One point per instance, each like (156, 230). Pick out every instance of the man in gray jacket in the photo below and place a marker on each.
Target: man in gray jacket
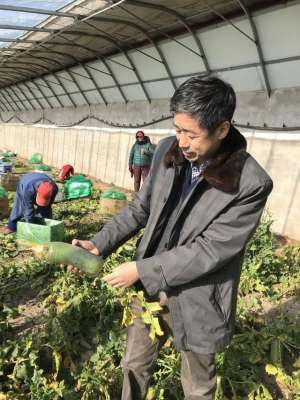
(199, 205)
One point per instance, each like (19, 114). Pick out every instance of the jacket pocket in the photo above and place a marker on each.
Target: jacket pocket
(218, 305)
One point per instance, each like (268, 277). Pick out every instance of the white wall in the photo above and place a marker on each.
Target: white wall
(103, 153)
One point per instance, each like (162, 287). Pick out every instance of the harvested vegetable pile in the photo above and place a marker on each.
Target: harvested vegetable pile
(62, 337)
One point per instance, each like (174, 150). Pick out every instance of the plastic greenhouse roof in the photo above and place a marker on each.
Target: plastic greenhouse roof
(62, 53)
(24, 18)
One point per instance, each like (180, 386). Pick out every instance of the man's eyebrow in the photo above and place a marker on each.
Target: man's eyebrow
(185, 130)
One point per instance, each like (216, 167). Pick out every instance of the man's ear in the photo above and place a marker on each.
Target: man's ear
(223, 130)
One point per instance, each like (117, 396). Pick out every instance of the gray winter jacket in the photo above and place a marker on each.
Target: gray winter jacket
(200, 267)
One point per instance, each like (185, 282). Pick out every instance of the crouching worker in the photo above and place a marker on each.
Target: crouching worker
(65, 173)
(34, 196)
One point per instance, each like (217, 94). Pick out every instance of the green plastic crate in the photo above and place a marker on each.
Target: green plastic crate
(77, 186)
(47, 230)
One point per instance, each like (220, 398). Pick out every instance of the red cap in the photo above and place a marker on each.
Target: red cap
(66, 171)
(44, 193)
(139, 134)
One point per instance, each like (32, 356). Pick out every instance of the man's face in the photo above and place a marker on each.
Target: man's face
(140, 138)
(195, 142)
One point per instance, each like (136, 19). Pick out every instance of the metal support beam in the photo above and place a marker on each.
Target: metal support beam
(12, 64)
(182, 20)
(214, 11)
(258, 45)
(2, 104)
(39, 11)
(98, 89)
(65, 28)
(48, 50)
(45, 30)
(184, 76)
(42, 93)
(90, 77)
(47, 60)
(25, 95)
(26, 75)
(52, 91)
(152, 42)
(69, 72)
(110, 39)
(14, 105)
(64, 89)
(72, 57)
(6, 102)
(32, 94)
(103, 60)
(30, 41)
(18, 97)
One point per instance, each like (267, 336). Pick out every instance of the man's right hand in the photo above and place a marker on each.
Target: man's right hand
(87, 245)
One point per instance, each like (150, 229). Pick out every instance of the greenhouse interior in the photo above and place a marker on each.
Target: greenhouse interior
(149, 200)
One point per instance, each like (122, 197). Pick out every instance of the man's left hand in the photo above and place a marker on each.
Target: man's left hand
(123, 276)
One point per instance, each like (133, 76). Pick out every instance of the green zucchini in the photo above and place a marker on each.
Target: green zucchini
(64, 253)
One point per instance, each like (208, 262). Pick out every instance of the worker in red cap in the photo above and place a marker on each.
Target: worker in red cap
(34, 196)
(65, 173)
(140, 158)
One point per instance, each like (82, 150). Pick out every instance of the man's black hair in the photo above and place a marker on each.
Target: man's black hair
(209, 100)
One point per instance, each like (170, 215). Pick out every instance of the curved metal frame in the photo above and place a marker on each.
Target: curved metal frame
(45, 30)
(11, 100)
(32, 94)
(42, 93)
(3, 105)
(110, 39)
(90, 77)
(31, 10)
(182, 20)
(52, 91)
(81, 19)
(73, 80)
(25, 95)
(18, 69)
(257, 44)
(18, 97)
(102, 59)
(152, 42)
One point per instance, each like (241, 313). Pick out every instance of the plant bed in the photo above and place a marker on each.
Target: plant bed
(64, 340)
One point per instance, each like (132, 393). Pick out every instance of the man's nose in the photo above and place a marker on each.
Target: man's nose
(183, 141)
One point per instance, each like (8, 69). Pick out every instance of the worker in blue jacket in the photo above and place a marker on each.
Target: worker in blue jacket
(34, 196)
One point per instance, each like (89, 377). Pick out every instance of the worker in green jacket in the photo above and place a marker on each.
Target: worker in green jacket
(140, 158)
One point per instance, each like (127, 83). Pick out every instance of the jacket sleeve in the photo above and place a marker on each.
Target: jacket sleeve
(223, 239)
(127, 222)
(131, 155)
(28, 205)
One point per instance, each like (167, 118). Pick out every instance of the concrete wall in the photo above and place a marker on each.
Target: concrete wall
(103, 153)
(255, 108)
(97, 152)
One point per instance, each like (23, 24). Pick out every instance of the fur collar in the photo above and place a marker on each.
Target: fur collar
(225, 169)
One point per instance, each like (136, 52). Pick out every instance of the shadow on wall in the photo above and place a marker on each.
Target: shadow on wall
(292, 204)
(281, 160)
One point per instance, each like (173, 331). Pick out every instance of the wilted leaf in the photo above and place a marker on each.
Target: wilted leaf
(271, 369)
